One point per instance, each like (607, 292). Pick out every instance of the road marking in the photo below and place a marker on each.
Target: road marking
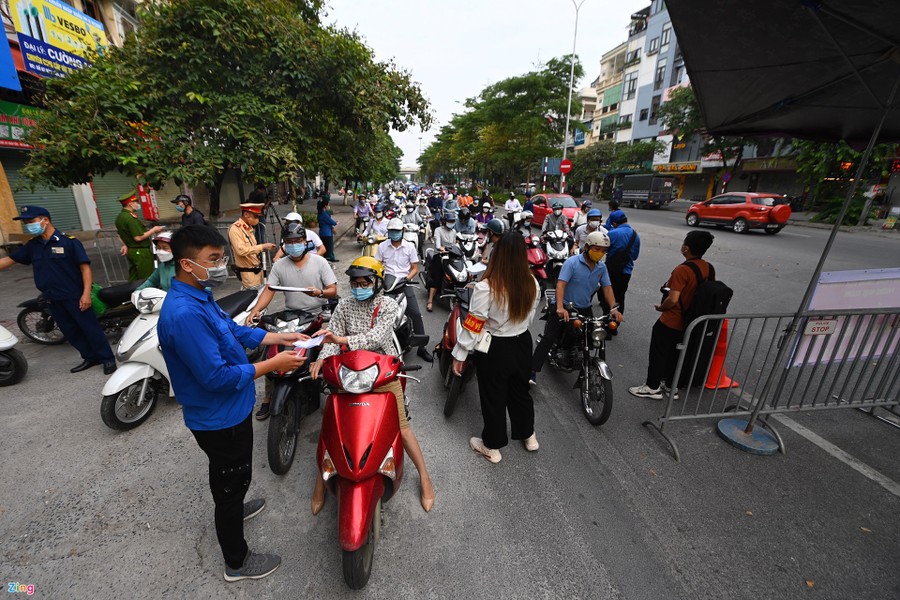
(792, 233)
(855, 464)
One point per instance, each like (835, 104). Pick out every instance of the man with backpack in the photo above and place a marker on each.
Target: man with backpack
(624, 249)
(668, 330)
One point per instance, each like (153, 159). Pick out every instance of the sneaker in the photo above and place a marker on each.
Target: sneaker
(532, 380)
(478, 446)
(256, 566)
(665, 391)
(253, 508)
(643, 391)
(263, 413)
(531, 444)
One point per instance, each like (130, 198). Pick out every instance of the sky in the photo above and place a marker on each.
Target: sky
(454, 48)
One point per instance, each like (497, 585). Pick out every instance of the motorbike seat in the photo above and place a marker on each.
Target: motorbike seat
(118, 294)
(237, 302)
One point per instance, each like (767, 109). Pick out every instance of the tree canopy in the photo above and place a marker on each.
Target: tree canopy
(508, 127)
(205, 85)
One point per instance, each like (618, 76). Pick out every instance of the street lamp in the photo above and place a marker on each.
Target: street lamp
(562, 179)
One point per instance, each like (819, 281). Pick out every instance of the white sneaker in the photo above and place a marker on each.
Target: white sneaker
(643, 391)
(531, 444)
(666, 390)
(492, 454)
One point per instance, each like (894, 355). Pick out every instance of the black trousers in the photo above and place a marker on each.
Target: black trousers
(82, 330)
(435, 272)
(230, 453)
(503, 387)
(663, 354)
(619, 283)
(413, 311)
(328, 242)
(551, 333)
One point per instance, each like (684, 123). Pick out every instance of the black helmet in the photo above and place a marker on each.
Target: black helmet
(496, 226)
(293, 231)
(379, 207)
(464, 214)
(182, 198)
(557, 206)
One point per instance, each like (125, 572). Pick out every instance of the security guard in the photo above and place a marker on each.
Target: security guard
(62, 272)
(246, 251)
(135, 237)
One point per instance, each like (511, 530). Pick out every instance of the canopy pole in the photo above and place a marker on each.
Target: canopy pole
(787, 339)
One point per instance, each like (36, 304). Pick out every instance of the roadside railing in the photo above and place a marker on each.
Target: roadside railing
(729, 367)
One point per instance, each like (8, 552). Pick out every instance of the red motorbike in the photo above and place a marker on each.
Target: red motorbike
(453, 382)
(360, 454)
(537, 259)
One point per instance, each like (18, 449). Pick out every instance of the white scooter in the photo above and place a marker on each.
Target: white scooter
(13, 365)
(130, 394)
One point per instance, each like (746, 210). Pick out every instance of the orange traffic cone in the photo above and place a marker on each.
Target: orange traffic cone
(717, 379)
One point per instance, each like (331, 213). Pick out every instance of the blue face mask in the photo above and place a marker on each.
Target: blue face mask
(35, 228)
(179, 208)
(395, 236)
(295, 250)
(362, 293)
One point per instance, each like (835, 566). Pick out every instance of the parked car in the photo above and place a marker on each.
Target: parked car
(543, 206)
(641, 191)
(523, 188)
(742, 211)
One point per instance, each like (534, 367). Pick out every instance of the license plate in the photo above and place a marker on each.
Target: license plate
(771, 226)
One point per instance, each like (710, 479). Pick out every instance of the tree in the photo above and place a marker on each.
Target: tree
(206, 85)
(604, 158)
(681, 116)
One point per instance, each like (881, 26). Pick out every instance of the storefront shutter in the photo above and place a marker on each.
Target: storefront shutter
(59, 201)
(107, 190)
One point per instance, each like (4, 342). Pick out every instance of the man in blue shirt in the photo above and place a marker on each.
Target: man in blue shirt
(624, 249)
(578, 280)
(326, 229)
(214, 383)
(62, 272)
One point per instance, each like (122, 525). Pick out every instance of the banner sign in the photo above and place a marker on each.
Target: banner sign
(9, 77)
(15, 121)
(54, 38)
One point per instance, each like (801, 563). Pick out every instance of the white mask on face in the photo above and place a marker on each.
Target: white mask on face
(163, 255)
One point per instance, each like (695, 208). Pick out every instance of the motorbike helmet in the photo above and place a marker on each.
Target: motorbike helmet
(512, 195)
(395, 224)
(497, 226)
(367, 266)
(292, 217)
(557, 205)
(464, 214)
(379, 208)
(410, 205)
(597, 238)
(595, 212)
(525, 218)
(293, 231)
(162, 236)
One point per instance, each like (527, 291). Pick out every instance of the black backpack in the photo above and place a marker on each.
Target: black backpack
(615, 263)
(711, 298)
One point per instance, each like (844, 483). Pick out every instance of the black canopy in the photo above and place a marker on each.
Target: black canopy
(805, 68)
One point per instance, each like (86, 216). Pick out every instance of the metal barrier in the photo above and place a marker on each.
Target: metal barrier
(107, 245)
(741, 368)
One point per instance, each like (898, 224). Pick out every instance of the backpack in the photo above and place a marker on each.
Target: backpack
(711, 298)
(615, 263)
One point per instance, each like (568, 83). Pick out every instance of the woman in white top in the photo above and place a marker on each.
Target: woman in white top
(503, 305)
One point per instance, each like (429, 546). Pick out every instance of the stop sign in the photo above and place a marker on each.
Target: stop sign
(565, 166)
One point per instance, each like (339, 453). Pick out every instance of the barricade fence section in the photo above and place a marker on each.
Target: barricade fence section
(753, 366)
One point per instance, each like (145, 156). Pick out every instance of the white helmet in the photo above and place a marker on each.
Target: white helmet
(597, 238)
(292, 216)
(395, 224)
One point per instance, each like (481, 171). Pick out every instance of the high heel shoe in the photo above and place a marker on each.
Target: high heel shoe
(427, 502)
(316, 504)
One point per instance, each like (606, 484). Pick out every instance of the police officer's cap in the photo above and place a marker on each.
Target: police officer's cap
(32, 212)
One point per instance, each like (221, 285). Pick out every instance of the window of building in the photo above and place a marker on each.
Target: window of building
(125, 20)
(92, 10)
(630, 85)
(666, 37)
(624, 121)
(654, 46)
(677, 75)
(660, 78)
(654, 110)
(644, 113)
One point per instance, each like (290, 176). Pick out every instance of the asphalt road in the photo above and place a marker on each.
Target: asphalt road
(596, 513)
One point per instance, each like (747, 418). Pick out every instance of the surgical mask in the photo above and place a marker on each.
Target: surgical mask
(35, 228)
(450, 224)
(378, 215)
(295, 250)
(557, 212)
(395, 236)
(215, 276)
(596, 255)
(362, 293)
(163, 256)
(179, 208)
(593, 224)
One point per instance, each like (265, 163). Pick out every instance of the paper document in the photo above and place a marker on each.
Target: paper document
(282, 288)
(310, 343)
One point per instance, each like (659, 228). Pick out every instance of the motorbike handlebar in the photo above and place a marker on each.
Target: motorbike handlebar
(406, 368)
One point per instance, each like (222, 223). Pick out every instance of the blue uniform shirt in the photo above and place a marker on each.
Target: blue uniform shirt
(581, 280)
(57, 265)
(326, 224)
(618, 240)
(204, 352)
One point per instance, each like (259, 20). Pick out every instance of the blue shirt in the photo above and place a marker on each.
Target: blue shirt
(57, 265)
(618, 240)
(326, 224)
(467, 227)
(204, 352)
(581, 280)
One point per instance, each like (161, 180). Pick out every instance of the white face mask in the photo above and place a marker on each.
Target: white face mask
(163, 256)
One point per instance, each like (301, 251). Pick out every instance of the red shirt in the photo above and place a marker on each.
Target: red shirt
(682, 280)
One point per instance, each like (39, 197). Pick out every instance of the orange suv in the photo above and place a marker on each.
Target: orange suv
(742, 211)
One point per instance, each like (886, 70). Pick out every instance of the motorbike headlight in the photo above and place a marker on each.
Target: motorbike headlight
(358, 382)
(597, 336)
(388, 466)
(462, 276)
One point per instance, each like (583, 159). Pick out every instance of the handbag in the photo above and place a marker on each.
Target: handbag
(483, 342)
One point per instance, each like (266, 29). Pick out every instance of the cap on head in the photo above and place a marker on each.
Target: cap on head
(617, 216)
(293, 216)
(128, 197)
(163, 236)
(31, 212)
(252, 207)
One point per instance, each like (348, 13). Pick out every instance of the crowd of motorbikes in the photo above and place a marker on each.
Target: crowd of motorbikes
(360, 452)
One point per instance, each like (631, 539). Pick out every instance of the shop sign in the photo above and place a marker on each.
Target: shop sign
(55, 39)
(769, 164)
(16, 121)
(685, 167)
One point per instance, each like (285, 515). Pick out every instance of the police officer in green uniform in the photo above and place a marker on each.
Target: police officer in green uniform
(62, 272)
(135, 237)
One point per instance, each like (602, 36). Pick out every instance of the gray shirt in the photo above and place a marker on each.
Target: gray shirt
(444, 237)
(315, 272)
